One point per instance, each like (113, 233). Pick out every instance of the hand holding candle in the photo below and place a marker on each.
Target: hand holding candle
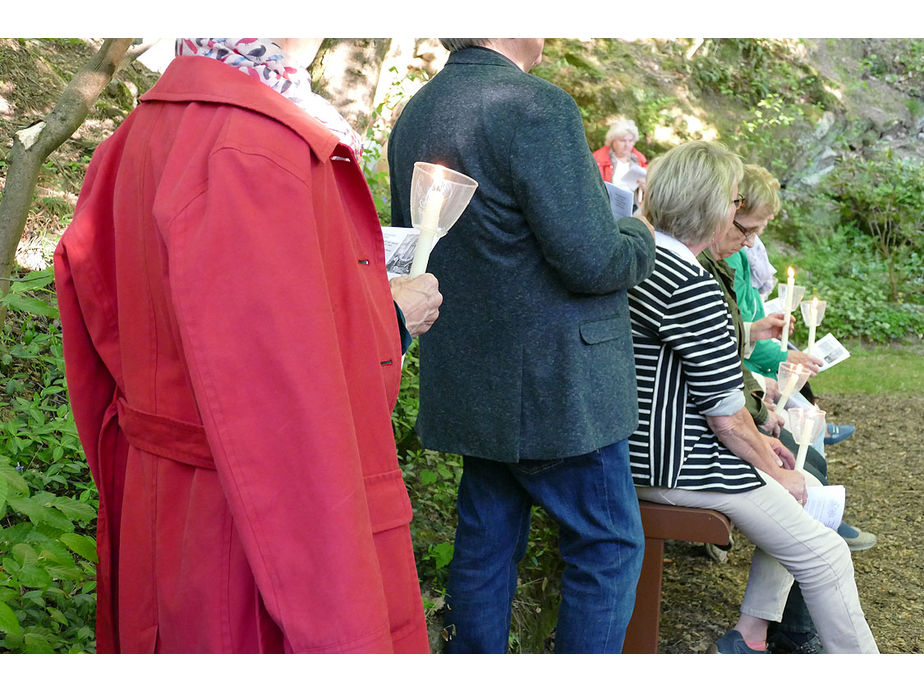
(439, 195)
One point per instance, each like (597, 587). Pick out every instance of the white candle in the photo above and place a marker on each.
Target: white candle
(787, 393)
(809, 425)
(428, 228)
(788, 388)
(787, 310)
(813, 322)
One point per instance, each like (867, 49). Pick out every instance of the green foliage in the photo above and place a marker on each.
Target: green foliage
(901, 65)
(753, 69)
(48, 502)
(882, 197)
(843, 268)
(602, 77)
(376, 136)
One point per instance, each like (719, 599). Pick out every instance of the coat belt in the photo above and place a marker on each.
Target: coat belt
(163, 436)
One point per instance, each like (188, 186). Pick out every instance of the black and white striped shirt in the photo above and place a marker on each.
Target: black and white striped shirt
(687, 366)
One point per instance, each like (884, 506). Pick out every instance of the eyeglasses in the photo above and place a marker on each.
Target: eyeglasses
(747, 233)
(738, 202)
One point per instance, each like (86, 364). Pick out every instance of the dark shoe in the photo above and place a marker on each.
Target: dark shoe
(733, 643)
(837, 433)
(781, 642)
(856, 539)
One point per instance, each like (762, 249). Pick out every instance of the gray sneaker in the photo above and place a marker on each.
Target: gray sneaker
(733, 643)
(856, 539)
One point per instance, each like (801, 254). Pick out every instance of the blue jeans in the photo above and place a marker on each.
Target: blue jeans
(592, 499)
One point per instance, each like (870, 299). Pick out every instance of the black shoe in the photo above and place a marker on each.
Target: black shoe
(781, 642)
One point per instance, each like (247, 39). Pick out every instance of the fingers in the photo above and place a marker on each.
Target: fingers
(419, 300)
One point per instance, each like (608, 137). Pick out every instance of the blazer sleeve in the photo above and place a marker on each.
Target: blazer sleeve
(255, 315)
(558, 186)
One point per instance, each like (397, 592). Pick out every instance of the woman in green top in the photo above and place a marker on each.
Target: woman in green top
(762, 204)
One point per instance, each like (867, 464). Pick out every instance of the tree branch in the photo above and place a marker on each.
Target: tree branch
(32, 146)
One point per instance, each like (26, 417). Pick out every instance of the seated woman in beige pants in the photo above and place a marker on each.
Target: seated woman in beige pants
(696, 444)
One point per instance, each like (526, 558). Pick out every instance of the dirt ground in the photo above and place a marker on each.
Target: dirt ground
(881, 467)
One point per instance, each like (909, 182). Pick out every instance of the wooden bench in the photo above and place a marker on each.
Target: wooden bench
(663, 522)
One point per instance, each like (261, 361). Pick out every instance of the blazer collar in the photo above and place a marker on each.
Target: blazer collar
(479, 55)
(194, 78)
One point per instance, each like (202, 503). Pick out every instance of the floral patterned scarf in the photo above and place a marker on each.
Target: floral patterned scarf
(263, 59)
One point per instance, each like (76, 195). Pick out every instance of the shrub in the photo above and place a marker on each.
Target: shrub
(882, 197)
(48, 502)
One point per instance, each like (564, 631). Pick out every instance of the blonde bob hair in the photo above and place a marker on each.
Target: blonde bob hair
(760, 190)
(689, 190)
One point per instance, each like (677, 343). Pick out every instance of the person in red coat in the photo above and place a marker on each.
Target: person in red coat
(233, 354)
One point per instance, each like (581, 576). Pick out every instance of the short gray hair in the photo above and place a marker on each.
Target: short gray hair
(760, 190)
(689, 189)
(621, 126)
(456, 44)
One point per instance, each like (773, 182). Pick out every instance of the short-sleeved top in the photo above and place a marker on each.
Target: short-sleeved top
(687, 365)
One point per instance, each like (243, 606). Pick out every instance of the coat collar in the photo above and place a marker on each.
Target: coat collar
(194, 78)
(479, 55)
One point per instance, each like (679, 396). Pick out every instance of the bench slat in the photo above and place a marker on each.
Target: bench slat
(684, 524)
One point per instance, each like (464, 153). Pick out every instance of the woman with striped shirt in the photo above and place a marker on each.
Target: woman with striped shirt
(696, 444)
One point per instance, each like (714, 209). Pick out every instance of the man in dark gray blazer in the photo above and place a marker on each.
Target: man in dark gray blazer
(529, 372)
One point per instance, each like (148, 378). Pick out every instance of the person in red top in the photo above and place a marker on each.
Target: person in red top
(233, 355)
(620, 163)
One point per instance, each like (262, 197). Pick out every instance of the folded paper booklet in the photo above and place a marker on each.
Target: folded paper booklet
(774, 305)
(829, 350)
(399, 250)
(620, 200)
(826, 504)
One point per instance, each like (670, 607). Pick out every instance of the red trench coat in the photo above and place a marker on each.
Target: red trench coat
(233, 356)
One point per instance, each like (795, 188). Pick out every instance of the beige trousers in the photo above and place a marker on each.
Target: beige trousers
(790, 544)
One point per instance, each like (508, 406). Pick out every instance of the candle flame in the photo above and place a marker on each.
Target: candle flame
(791, 272)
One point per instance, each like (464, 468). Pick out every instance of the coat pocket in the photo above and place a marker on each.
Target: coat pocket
(603, 330)
(386, 496)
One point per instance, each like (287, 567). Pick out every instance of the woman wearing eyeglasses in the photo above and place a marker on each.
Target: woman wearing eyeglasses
(725, 259)
(749, 332)
(761, 205)
(696, 444)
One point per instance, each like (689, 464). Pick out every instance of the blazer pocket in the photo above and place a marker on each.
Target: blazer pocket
(603, 330)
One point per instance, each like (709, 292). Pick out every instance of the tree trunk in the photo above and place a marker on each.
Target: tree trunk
(346, 73)
(32, 146)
